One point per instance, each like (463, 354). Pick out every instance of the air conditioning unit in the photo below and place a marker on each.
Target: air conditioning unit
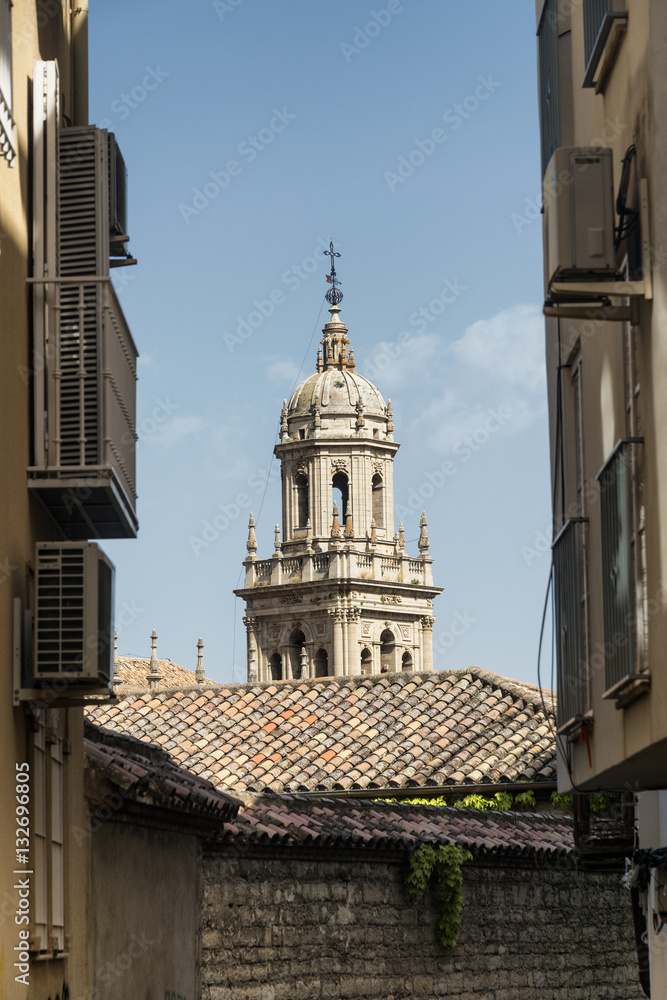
(117, 196)
(578, 193)
(73, 615)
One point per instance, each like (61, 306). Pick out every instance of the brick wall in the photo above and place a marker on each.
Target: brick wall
(284, 928)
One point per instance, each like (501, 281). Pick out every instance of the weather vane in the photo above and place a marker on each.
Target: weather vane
(334, 295)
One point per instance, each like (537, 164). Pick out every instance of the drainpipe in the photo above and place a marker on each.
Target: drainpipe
(80, 62)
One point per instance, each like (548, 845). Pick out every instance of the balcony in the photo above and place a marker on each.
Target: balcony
(83, 470)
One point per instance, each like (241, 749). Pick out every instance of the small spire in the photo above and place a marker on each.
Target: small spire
(335, 524)
(361, 420)
(349, 529)
(251, 544)
(390, 418)
(401, 536)
(309, 536)
(320, 363)
(284, 429)
(154, 676)
(374, 534)
(199, 672)
(116, 678)
(303, 662)
(350, 360)
(277, 548)
(423, 542)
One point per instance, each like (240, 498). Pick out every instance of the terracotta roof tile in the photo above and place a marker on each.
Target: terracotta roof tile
(391, 730)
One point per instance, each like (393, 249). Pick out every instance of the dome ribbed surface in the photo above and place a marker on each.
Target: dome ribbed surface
(337, 392)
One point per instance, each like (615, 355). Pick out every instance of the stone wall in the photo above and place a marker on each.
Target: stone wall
(284, 927)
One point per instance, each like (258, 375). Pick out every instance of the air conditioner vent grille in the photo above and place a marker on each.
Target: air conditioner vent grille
(60, 612)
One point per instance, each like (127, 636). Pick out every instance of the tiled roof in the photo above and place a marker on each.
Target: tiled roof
(133, 671)
(148, 775)
(292, 820)
(407, 730)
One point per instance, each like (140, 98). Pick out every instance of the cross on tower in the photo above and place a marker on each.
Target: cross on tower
(334, 295)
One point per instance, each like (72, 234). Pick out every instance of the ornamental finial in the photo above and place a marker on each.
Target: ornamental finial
(334, 295)
(199, 672)
(251, 544)
(423, 542)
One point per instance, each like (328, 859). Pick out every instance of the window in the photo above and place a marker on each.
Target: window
(406, 660)
(569, 555)
(387, 651)
(276, 667)
(547, 42)
(602, 20)
(366, 661)
(378, 500)
(296, 643)
(618, 518)
(7, 127)
(301, 483)
(48, 934)
(321, 663)
(340, 486)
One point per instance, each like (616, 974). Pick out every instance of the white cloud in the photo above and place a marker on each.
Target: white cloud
(171, 432)
(494, 375)
(392, 365)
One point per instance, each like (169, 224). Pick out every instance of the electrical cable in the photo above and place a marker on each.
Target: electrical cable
(266, 483)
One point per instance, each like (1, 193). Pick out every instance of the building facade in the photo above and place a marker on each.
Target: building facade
(67, 399)
(603, 103)
(340, 595)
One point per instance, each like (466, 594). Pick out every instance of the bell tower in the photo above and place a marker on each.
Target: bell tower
(339, 596)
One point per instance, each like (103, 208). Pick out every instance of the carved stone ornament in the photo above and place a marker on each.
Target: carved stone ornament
(274, 630)
(320, 628)
(291, 599)
(391, 599)
(428, 622)
(366, 630)
(250, 621)
(378, 467)
(405, 631)
(300, 468)
(339, 465)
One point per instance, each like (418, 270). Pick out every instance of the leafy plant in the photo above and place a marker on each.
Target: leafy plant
(501, 802)
(561, 800)
(525, 800)
(443, 864)
(598, 801)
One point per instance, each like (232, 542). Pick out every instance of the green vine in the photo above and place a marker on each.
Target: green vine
(444, 864)
(598, 801)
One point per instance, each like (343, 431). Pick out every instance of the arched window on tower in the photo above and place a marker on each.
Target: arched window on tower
(321, 662)
(296, 643)
(366, 661)
(378, 500)
(340, 490)
(276, 666)
(406, 660)
(387, 651)
(301, 483)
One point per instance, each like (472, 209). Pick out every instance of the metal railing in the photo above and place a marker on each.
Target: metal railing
(569, 557)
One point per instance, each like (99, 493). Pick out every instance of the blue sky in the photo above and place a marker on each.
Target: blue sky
(254, 131)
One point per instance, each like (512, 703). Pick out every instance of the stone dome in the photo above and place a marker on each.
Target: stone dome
(337, 393)
(336, 400)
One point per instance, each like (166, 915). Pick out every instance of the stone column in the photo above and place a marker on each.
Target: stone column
(338, 657)
(250, 622)
(427, 622)
(353, 647)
